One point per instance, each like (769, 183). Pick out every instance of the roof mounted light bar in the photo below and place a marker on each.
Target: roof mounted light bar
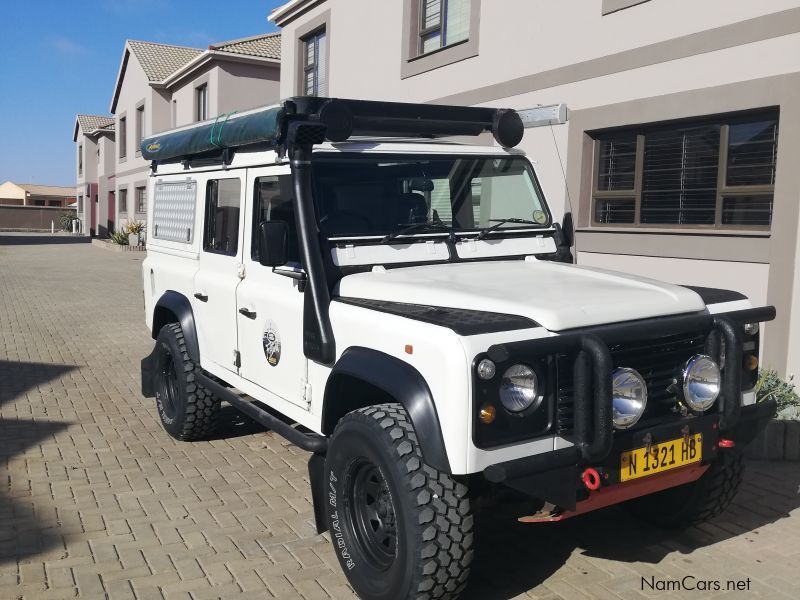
(338, 120)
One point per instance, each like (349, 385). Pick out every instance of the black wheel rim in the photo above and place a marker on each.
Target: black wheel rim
(169, 385)
(372, 515)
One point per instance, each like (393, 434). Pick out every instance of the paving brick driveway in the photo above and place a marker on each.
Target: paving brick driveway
(97, 501)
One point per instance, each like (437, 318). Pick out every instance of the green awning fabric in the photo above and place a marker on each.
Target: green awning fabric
(258, 126)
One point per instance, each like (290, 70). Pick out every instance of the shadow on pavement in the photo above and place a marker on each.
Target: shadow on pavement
(37, 239)
(232, 424)
(17, 378)
(513, 558)
(22, 532)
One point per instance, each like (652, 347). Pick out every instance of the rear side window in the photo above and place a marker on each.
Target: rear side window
(173, 210)
(273, 202)
(223, 200)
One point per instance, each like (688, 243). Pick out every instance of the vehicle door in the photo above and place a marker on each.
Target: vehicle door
(270, 300)
(220, 270)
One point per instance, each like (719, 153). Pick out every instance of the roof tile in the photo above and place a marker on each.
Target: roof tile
(89, 123)
(266, 45)
(159, 61)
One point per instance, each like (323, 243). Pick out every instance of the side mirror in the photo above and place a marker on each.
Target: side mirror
(568, 229)
(273, 243)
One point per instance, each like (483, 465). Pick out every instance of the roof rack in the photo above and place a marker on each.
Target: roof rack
(335, 120)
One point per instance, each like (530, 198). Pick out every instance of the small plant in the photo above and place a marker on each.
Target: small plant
(136, 227)
(119, 237)
(66, 220)
(770, 385)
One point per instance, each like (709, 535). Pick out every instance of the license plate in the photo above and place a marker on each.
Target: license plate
(661, 457)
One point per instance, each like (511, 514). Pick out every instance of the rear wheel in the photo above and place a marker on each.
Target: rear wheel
(400, 528)
(694, 502)
(187, 410)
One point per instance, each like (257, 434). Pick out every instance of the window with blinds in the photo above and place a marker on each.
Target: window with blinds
(315, 64)
(442, 23)
(715, 173)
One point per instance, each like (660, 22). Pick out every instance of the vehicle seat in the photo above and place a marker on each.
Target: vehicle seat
(410, 208)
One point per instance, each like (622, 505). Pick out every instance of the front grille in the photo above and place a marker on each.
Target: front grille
(657, 361)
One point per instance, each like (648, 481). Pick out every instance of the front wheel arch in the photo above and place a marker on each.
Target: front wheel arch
(365, 377)
(174, 307)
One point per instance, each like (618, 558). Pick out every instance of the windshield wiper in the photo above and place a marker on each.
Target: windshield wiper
(500, 222)
(416, 227)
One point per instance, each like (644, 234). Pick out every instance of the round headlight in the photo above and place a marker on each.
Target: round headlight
(751, 328)
(701, 382)
(486, 369)
(519, 389)
(629, 397)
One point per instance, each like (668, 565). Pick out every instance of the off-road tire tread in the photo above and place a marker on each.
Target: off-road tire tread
(202, 407)
(710, 496)
(443, 510)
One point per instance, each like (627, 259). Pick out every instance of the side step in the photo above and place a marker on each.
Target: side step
(310, 442)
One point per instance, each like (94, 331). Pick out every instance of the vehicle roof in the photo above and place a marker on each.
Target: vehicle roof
(259, 157)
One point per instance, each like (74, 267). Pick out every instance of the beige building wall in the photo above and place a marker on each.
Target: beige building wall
(243, 86)
(183, 95)
(131, 171)
(87, 146)
(655, 61)
(12, 194)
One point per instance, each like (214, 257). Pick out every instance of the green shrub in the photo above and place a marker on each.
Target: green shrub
(119, 237)
(134, 227)
(770, 385)
(65, 221)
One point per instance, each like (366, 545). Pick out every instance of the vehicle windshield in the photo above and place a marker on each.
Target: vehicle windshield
(383, 195)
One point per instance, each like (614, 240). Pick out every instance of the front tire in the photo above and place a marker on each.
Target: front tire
(187, 410)
(695, 502)
(400, 528)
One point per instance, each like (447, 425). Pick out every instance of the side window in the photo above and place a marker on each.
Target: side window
(273, 202)
(221, 233)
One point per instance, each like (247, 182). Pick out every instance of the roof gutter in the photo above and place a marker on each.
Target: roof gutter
(291, 10)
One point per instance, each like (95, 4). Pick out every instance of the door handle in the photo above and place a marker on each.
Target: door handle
(201, 297)
(250, 314)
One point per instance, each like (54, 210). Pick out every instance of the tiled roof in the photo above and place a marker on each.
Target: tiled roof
(89, 123)
(266, 45)
(47, 190)
(159, 61)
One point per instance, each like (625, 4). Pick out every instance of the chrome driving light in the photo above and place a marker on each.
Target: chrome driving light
(629, 397)
(519, 389)
(486, 369)
(751, 328)
(701, 381)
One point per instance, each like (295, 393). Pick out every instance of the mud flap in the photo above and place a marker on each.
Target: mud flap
(316, 477)
(148, 367)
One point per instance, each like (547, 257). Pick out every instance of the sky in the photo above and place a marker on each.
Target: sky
(59, 58)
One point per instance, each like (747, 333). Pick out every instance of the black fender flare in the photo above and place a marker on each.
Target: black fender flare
(397, 379)
(177, 304)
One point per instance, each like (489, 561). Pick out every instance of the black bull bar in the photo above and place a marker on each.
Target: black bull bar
(593, 366)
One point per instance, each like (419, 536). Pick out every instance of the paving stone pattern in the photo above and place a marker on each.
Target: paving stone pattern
(97, 501)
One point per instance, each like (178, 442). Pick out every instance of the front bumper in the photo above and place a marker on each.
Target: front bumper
(554, 476)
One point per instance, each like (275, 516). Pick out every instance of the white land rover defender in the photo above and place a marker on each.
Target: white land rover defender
(407, 311)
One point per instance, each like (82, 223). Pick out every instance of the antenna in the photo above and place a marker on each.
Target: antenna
(566, 187)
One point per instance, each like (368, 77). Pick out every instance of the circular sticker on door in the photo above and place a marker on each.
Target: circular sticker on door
(539, 216)
(272, 343)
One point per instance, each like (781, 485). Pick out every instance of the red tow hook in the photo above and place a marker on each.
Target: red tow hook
(723, 443)
(591, 479)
